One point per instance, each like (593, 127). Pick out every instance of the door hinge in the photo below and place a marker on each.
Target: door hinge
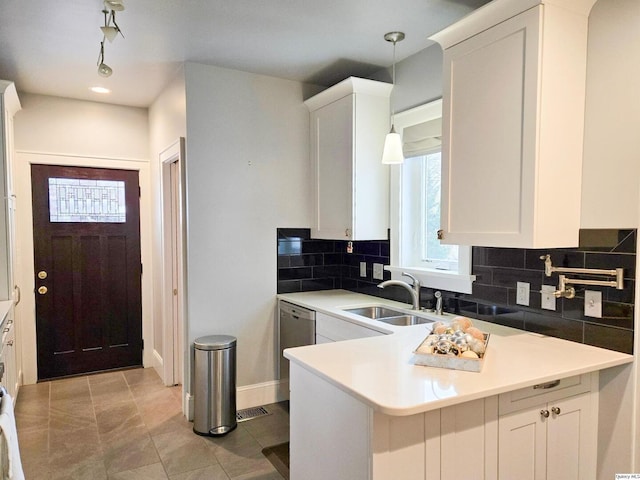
(141, 269)
(139, 191)
(142, 344)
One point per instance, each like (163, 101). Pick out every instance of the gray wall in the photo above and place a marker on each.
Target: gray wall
(248, 173)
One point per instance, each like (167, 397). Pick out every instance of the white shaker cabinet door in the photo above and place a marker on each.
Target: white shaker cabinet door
(513, 123)
(488, 170)
(332, 144)
(554, 441)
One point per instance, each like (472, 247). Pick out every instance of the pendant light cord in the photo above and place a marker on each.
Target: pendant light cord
(393, 82)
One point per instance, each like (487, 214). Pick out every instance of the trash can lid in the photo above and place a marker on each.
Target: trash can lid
(214, 342)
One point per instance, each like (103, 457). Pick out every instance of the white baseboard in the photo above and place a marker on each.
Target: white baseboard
(262, 394)
(188, 406)
(158, 363)
(249, 396)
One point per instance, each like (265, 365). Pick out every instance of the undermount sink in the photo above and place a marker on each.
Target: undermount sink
(388, 315)
(404, 320)
(375, 312)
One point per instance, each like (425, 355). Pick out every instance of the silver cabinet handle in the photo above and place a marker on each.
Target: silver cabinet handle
(17, 289)
(555, 410)
(544, 386)
(544, 413)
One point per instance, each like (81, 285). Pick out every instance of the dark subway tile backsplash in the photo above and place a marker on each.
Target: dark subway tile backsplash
(305, 264)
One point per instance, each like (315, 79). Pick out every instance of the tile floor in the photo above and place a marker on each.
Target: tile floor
(127, 425)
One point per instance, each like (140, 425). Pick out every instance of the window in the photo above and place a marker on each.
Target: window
(86, 201)
(415, 207)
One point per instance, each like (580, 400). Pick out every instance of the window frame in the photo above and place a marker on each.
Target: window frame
(460, 281)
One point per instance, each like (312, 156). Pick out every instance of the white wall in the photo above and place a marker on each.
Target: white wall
(248, 173)
(611, 168)
(167, 123)
(60, 131)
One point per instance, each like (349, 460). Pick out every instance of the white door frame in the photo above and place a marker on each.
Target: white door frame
(173, 263)
(24, 243)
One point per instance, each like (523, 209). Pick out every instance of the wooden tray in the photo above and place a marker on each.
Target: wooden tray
(446, 361)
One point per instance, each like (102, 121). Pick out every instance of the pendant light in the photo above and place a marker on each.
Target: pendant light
(104, 70)
(392, 152)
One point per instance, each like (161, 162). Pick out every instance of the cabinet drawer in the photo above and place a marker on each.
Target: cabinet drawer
(543, 393)
(337, 329)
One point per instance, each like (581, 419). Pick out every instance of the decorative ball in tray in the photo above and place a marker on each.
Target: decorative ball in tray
(458, 345)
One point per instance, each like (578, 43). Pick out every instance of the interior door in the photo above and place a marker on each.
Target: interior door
(86, 224)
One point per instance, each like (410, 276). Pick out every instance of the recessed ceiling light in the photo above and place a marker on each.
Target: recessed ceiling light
(100, 90)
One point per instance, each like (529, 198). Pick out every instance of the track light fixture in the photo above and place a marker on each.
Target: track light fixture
(110, 31)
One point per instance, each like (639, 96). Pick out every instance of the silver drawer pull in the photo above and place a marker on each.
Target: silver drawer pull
(545, 386)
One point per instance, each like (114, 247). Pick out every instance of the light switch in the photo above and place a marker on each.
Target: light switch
(522, 293)
(363, 269)
(592, 304)
(547, 297)
(378, 271)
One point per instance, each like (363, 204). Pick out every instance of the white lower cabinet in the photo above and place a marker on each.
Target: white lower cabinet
(8, 358)
(552, 441)
(333, 329)
(334, 435)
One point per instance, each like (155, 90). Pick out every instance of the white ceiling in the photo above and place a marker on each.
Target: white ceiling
(52, 48)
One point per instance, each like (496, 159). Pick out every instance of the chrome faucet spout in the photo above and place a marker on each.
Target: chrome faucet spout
(414, 289)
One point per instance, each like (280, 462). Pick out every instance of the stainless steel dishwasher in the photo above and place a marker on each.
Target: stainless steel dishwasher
(297, 328)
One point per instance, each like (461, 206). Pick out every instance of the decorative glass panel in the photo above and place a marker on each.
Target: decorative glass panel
(86, 201)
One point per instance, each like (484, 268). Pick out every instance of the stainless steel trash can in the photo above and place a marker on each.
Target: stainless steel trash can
(215, 385)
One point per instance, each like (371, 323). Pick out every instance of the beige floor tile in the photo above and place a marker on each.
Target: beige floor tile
(130, 426)
(34, 445)
(89, 469)
(260, 476)
(38, 470)
(235, 464)
(38, 392)
(213, 472)
(68, 415)
(148, 472)
(109, 389)
(130, 453)
(117, 420)
(182, 451)
(74, 447)
(139, 376)
(74, 389)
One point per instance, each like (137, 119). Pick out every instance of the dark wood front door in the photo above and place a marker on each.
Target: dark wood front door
(86, 225)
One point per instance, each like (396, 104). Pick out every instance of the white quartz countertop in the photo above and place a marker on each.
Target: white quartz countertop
(380, 371)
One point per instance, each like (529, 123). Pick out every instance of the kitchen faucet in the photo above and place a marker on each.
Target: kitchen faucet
(414, 290)
(438, 296)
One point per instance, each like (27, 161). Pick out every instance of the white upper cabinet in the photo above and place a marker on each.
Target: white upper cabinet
(513, 121)
(9, 105)
(349, 122)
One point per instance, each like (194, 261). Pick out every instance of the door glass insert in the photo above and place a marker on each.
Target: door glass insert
(86, 201)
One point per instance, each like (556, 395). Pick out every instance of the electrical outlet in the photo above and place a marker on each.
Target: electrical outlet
(522, 293)
(547, 297)
(378, 271)
(363, 269)
(592, 304)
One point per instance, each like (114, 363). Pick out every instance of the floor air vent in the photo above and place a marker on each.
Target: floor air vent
(251, 413)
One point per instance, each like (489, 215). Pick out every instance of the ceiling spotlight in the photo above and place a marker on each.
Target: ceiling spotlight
(101, 90)
(104, 70)
(117, 5)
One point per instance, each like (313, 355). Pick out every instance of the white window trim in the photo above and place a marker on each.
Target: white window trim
(455, 282)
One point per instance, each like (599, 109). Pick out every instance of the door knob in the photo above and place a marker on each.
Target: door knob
(42, 274)
(42, 290)
(555, 410)
(544, 413)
